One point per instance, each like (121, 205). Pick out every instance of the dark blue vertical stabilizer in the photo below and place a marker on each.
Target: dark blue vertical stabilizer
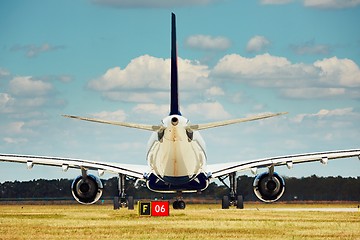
(174, 93)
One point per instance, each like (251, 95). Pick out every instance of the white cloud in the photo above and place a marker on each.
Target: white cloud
(341, 112)
(32, 50)
(311, 47)
(152, 3)
(339, 72)
(6, 102)
(208, 111)
(4, 72)
(16, 127)
(27, 86)
(136, 97)
(118, 115)
(33, 102)
(275, 1)
(145, 71)
(312, 92)
(331, 3)
(205, 111)
(321, 4)
(61, 78)
(146, 79)
(263, 70)
(215, 91)
(206, 42)
(151, 109)
(151, 74)
(257, 44)
(65, 78)
(11, 140)
(25, 95)
(324, 78)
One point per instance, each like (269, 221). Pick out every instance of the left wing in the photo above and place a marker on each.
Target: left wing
(218, 170)
(136, 171)
(122, 124)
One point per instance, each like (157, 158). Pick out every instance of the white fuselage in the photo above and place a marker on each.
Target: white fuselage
(176, 152)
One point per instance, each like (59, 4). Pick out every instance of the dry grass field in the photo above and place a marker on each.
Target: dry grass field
(257, 221)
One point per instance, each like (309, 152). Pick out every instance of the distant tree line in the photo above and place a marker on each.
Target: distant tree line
(311, 188)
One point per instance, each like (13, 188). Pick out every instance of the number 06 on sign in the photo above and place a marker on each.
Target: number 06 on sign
(160, 208)
(154, 208)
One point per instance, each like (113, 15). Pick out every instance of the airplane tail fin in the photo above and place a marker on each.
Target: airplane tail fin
(174, 95)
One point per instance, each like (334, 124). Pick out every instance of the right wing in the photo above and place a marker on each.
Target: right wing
(233, 121)
(218, 170)
(136, 171)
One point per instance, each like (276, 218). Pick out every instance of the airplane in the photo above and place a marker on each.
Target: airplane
(177, 160)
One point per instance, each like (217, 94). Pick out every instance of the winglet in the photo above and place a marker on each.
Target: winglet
(174, 95)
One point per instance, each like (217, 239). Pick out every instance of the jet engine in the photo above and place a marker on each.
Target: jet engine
(269, 187)
(87, 190)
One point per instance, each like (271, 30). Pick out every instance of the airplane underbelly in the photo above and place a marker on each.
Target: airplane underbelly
(176, 157)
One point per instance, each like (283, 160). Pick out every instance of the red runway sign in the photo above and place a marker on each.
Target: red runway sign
(160, 208)
(154, 208)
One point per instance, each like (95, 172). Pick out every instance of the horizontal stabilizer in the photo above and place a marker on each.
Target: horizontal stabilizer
(123, 124)
(234, 121)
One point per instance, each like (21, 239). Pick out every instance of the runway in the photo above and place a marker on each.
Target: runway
(355, 209)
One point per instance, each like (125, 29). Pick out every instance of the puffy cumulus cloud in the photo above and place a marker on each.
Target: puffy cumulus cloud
(263, 70)
(207, 110)
(257, 44)
(152, 3)
(324, 78)
(118, 115)
(331, 3)
(27, 95)
(310, 48)
(275, 1)
(152, 74)
(339, 72)
(27, 86)
(151, 109)
(33, 50)
(142, 72)
(323, 113)
(206, 42)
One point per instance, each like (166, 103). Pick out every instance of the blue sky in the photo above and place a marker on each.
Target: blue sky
(110, 59)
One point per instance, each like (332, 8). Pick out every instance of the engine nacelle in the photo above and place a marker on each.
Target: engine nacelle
(269, 188)
(87, 190)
